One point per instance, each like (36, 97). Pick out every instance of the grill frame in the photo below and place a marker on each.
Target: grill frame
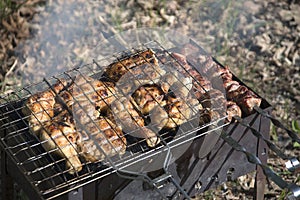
(95, 176)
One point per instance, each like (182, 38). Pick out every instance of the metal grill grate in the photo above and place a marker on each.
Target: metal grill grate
(46, 171)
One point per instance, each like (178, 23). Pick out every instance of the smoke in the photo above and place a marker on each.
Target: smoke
(63, 35)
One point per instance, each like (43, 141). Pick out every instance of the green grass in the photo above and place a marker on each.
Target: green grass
(7, 7)
(296, 128)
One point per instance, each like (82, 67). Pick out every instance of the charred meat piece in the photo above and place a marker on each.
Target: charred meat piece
(213, 99)
(201, 84)
(180, 111)
(104, 139)
(179, 108)
(214, 104)
(131, 121)
(95, 93)
(244, 97)
(142, 65)
(39, 107)
(232, 110)
(220, 78)
(147, 97)
(139, 75)
(61, 135)
(207, 115)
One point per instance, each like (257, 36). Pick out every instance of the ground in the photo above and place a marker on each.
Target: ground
(259, 40)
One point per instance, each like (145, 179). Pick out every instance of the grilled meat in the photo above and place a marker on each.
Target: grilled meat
(131, 73)
(147, 97)
(104, 139)
(87, 117)
(99, 94)
(232, 110)
(60, 134)
(179, 108)
(131, 121)
(39, 107)
(240, 94)
(116, 70)
(201, 84)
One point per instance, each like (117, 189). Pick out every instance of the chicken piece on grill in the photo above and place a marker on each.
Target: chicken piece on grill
(147, 97)
(179, 108)
(97, 93)
(116, 70)
(90, 98)
(39, 107)
(131, 121)
(105, 139)
(51, 115)
(60, 134)
(180, 111)
(175, 113)
(132, 72)
(142, 65)
(85, 95)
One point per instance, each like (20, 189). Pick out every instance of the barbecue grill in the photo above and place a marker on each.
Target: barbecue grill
(189, 159)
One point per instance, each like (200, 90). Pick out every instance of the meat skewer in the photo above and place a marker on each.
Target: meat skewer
(205, 93)
(232, 110)
(200, 83)
(240, 94)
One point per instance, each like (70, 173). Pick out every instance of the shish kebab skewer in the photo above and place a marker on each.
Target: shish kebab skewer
(240, 94)
(212, 99)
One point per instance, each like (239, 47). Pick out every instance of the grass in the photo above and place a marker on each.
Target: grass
(296, 128)
(7, 7)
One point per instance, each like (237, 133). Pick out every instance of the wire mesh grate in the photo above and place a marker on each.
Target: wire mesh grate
(46, 169)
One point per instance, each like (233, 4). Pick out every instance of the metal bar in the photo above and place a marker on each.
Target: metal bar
(262, 154)
(267, 170)
(278, 124)
(181, 190)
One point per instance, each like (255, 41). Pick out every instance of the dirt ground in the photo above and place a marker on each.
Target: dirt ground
(259, 40)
